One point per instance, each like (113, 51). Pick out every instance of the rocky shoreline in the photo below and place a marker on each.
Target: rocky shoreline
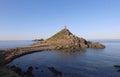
(8, 55)
(18, 72)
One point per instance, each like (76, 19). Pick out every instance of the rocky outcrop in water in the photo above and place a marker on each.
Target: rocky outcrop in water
(55, 71)
(66, 40)
(117, 66)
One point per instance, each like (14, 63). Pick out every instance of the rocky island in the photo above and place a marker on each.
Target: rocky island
(63, 40)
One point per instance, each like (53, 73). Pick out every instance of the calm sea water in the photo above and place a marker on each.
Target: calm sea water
(15, 43)
(88, 63)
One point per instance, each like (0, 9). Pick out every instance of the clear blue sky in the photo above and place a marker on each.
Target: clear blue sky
(30, 19)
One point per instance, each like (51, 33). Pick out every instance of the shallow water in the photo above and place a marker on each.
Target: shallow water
(88, 63)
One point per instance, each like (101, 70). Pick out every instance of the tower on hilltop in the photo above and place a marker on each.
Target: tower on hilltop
(65, 27)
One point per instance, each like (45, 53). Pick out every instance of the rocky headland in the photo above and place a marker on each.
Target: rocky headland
(63, 40)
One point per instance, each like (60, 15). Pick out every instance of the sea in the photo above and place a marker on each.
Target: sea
(86, 63)
(6, 44)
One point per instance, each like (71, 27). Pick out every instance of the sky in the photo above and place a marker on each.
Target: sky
(34, 19)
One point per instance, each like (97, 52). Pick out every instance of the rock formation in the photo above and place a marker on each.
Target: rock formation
(63, 40)
(66, 40)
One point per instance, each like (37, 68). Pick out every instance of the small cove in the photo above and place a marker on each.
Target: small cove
(89, 63)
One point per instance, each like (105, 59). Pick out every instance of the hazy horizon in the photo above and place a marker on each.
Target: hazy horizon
(28, 19)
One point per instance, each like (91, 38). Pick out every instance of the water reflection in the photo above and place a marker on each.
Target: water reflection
(66, 55)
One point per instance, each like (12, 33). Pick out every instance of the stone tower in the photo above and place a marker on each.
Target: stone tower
(65, 27)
